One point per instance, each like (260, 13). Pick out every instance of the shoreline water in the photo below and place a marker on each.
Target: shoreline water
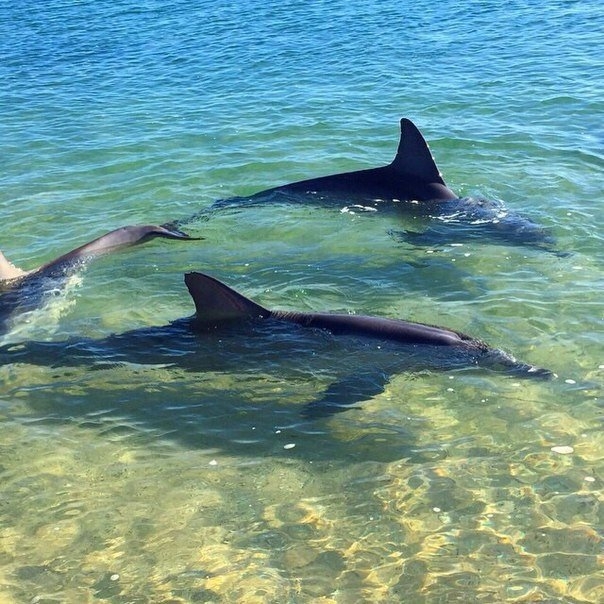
(146, 483)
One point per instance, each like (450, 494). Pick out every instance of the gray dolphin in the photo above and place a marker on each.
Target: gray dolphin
(412, 184)
(22, 291)
(216, 303)
(231, 333)
(412, 175)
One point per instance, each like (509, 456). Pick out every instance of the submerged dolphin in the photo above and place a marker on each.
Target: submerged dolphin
(22, 291)
(231, 333)
(412, 183)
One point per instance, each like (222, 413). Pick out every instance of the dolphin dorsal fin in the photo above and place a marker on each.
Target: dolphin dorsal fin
(216, 302)
(413, 157)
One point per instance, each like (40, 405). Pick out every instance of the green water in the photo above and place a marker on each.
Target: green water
(134, 483)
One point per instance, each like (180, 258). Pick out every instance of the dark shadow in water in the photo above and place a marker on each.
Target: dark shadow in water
(248, 390)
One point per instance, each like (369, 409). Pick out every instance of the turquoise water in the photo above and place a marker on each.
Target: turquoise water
(156, 483)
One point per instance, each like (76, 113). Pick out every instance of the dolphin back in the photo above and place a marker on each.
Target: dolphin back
(216, 302)
(396, 330)
(119, 238)
(123, 237)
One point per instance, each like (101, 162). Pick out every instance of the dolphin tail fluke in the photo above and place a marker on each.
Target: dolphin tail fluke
(215, 302)
(532, 371)
(499, 359)
(413, 157)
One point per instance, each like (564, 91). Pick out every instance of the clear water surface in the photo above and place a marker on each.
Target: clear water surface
(125, 482)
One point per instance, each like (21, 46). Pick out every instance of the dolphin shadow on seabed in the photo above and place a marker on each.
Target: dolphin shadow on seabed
(23, 291)
(352, 356)
(411, 185)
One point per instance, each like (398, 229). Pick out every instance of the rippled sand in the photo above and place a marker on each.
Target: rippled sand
(129, 516)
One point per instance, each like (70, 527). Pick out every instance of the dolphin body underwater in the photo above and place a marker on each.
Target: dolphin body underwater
(231, 333)
(411, 184)
(22, 291)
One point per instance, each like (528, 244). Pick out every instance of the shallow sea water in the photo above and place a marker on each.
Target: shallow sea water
(157, 483)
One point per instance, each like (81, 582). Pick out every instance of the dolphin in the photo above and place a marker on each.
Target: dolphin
(411, 184)
(217, 303)
(22, 291)
(231, 333)
(412, 175)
